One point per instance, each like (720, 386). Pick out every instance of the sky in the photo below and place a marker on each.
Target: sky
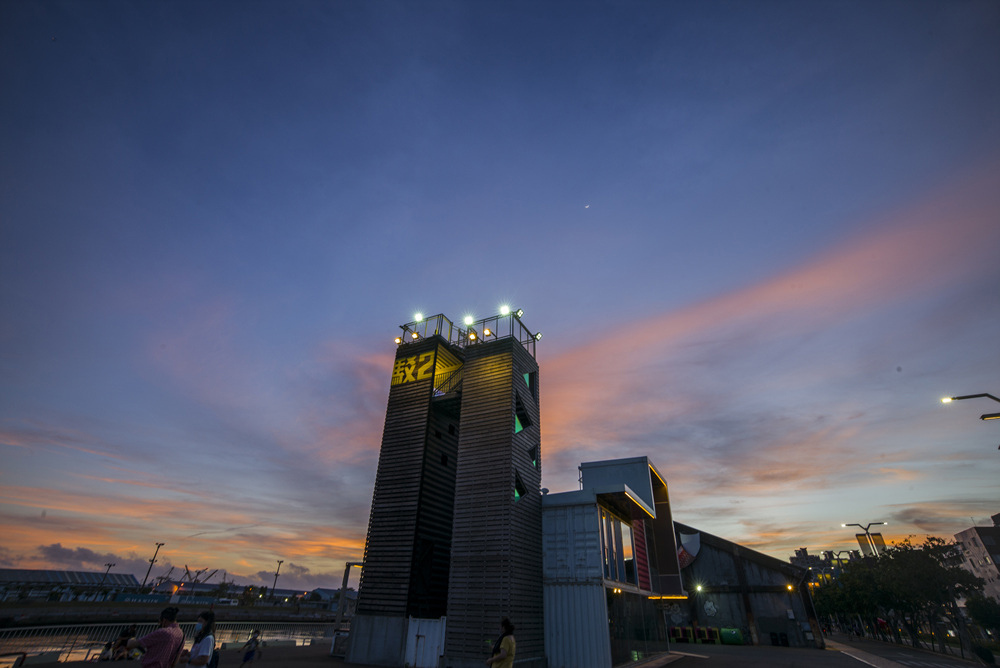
(760, 239)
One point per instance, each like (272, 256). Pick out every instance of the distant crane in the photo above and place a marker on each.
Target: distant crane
(196, 578)
(163, 578)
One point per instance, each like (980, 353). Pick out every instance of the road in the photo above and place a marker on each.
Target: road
(838, 655)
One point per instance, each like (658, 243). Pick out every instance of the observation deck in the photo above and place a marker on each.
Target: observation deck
(505, 325)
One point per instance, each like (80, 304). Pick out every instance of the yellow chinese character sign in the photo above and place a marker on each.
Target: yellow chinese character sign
(412, 369)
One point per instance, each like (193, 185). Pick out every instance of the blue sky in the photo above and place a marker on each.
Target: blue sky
(760, 240)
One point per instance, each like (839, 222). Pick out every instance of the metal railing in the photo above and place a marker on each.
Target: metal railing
(495, 327)
(84, 641)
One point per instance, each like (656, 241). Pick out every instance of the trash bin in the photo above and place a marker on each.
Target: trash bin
(731, 636)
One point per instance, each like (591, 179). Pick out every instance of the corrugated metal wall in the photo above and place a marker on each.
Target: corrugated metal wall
(576, 630)
(571, 539)
(424, 642)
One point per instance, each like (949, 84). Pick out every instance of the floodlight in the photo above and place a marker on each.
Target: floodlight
(504, 310)
(398, 340)
(487, 332)
(990, 416)
(418, 316)
(472, 335)
(538, 336)
(519, 312)
(414, 335)
(469, 320)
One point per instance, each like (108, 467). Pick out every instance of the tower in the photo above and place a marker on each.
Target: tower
(455, 524)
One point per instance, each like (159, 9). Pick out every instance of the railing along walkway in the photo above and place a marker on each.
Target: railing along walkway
(80, 642)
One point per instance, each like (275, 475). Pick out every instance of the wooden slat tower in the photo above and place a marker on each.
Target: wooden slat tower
(496, 551)
(455, 524)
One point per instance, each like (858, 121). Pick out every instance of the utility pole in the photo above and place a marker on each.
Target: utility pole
(151, 562)
(105, 574)
(280, 561)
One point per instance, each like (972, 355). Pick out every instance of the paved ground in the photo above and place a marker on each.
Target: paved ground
(309, 656)
(890, 654)
(840, 654)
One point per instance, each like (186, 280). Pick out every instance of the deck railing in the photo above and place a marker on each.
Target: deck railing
(84, 641)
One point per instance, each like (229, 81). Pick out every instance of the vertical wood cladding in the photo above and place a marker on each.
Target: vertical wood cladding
(409, 529)
(496, 555)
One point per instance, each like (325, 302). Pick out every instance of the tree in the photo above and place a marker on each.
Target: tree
(910, 585)
(984, 611)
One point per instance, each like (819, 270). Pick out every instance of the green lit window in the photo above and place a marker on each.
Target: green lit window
(519, 490)
(521, 419)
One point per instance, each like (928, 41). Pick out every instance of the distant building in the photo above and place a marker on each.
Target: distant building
(330, 598)
(823, 568)
(815, 564)
(980, 547)
(16, 583)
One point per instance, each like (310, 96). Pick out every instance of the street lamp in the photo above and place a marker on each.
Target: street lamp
(984, 416)
(151, 562)
(341, 603)
(868, 535)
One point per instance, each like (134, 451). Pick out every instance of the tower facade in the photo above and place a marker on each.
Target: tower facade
(454, 533)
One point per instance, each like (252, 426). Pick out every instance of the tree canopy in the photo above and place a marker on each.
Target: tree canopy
(908, 584)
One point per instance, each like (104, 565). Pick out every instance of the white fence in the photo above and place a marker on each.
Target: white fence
(81, 642)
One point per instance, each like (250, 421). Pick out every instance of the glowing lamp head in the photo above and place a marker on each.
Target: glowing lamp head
(414, 335)
(469, 320)
(504, 310)
(487, 332)
(472, 336)
(418, 316)
(946, 400)
(697, 588)
(538, 336)
(789, 587)
(398, 339)
(519, 312)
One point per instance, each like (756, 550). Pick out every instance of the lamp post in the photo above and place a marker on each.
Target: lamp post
(868, 535)
(838, 561)
(984, 416)
(342, 604)
(151, 562)
(276, 571)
